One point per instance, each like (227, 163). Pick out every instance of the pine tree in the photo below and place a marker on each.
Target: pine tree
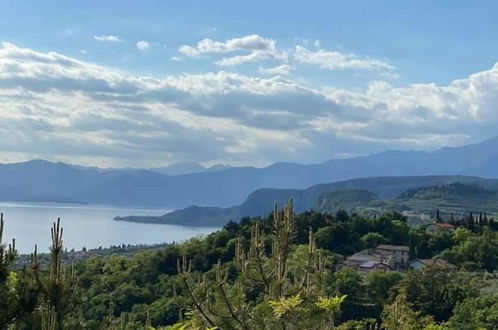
(59, 290)
(400, 316)
(7, 279)
(62, 283)
(269, 291)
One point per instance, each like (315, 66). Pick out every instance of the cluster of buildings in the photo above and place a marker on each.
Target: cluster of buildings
(389, 258)
(383, 257)
(395, 257)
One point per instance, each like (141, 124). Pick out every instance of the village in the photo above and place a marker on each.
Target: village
(395, 257)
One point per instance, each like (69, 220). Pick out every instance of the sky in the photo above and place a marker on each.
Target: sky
(151, 83)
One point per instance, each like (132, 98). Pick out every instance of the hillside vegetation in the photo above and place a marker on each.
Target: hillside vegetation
(426, 194)
(276, 272)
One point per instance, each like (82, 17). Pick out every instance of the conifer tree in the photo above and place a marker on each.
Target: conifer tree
(19, 290)
(58, 290)
(269, 292)
(7, 279)
(471, 222)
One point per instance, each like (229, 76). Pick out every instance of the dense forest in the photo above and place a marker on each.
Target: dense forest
(279, 272)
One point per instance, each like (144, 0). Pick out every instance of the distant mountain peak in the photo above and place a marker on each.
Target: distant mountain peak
(187, 167)
(193, 183)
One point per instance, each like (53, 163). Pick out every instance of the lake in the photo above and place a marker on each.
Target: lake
(87, 226)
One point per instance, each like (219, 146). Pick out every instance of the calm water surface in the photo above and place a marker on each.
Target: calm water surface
(86, 226)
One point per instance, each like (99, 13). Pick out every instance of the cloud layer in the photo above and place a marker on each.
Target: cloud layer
(57, 107)
(108, 38)
(257, 48)
(332, 60)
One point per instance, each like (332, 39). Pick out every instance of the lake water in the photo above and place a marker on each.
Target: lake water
(86, 226)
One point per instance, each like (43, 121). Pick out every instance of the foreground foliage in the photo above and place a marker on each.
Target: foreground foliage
(264, 273)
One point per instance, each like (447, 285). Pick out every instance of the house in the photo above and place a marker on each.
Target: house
(370, 266)
(385, 257)
(371, 255)
(418, 264)
(368, 260)
(437, 226)
(399, 253)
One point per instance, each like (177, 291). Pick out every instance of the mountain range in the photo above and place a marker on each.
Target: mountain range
(40, 180)
(182, 168)
(415, 193)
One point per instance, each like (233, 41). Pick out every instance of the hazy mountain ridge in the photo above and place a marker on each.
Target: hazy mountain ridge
(388, 192)
(182, 168)
(41, 180)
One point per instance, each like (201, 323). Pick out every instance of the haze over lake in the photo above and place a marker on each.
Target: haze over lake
(87, 226)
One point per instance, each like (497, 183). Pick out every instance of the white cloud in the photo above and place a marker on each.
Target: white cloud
(189, 51)
(143, 45)
(108, 38)
(251, 42)
(332, 60)
(259, 48)
(51, 103)
(256, 48)
(280, 70)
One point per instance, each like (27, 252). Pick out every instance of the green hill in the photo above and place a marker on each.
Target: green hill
(451, 198)
(347, 200)
(420, 193)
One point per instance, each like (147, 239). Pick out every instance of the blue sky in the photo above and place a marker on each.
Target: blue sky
(127, 83)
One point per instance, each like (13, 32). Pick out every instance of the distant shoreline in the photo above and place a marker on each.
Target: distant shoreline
(44, 201)
(72, 256)
(91, 206)
(163, 220)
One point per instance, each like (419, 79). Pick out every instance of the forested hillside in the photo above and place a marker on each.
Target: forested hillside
(456, 194)
(279, 272)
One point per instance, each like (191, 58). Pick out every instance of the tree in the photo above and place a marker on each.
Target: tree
(271, 290)
(400, 316)
(474, 251)
(435, 291)
(476, 313)
(325, 237)
(348, 282)
(397, 232)
(371, 240)
(8, 279)
(342, 216)
(60, 289)
(379, 283)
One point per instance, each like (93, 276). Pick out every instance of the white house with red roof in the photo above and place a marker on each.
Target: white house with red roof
(437, 226)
